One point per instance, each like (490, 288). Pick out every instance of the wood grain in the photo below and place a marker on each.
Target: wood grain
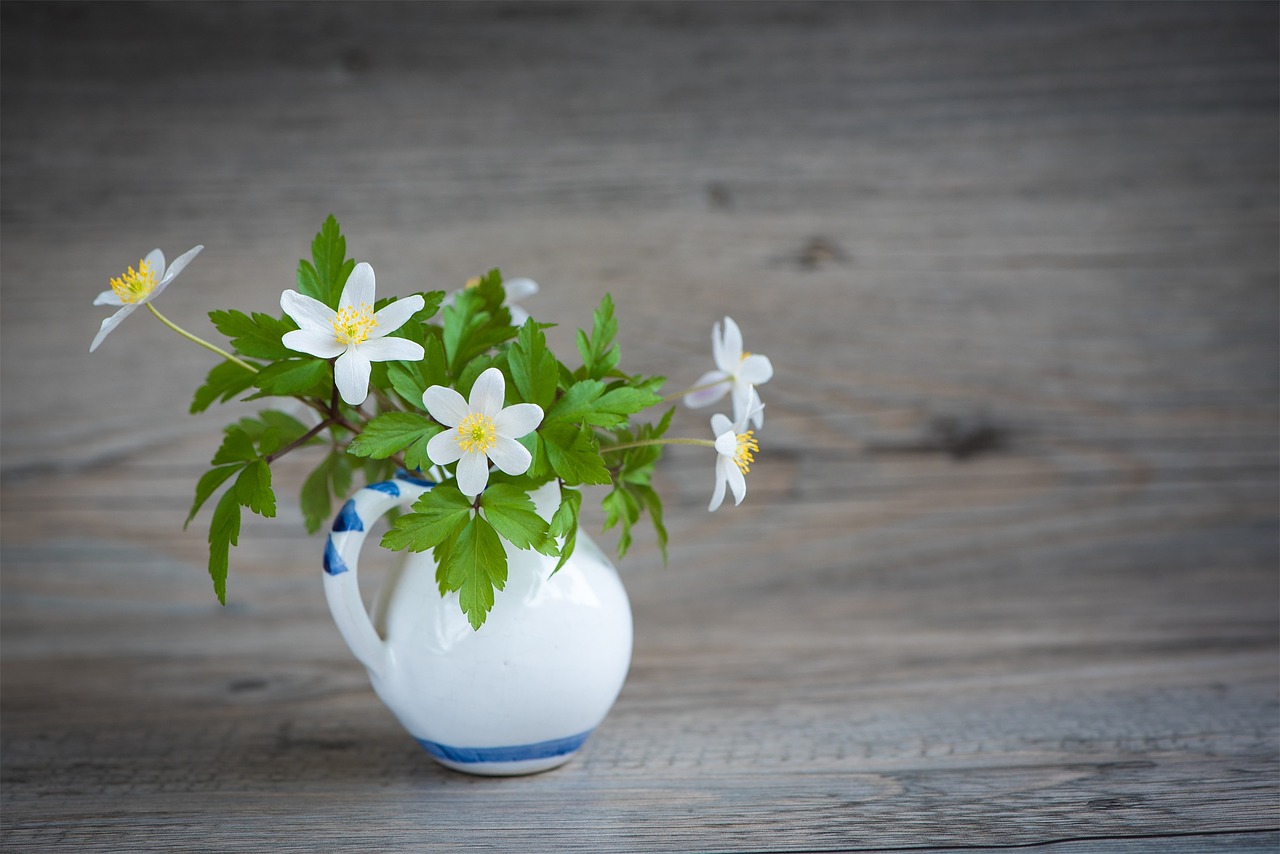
(1006, 575)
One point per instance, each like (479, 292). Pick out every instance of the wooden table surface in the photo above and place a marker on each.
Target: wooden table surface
(1006, 573)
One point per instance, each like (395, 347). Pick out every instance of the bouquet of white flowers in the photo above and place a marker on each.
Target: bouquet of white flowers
(459, 390)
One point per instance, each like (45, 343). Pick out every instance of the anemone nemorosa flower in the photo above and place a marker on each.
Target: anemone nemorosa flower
(480, 430)
(737, 372)
(353, 334)
(136, 288)
(735, 452)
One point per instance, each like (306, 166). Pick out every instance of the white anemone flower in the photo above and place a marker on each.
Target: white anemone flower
(737, 372)
(138, 287)
(736, 448)
(480, 430)
(353, 334)
(515, 289)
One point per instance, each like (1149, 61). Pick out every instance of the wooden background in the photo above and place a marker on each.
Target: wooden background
(1006, 574)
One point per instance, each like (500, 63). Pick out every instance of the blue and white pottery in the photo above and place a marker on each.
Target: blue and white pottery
(521, 694)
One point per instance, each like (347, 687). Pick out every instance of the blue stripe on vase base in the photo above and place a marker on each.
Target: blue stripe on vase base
(514, 753)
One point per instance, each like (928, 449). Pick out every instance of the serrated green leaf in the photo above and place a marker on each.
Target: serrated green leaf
(621, 506)
(577, 403)
(626, 401)
(237, 447)
(315, 500)
(599, 353)
(574, 455)
(225, 381)
(224, 532)
(477, 566)
(438, 514)
(511, 513)
(565, 524)
(257, 336)
(653, 503)
(329, 257)
(209, 481)
(533, 368)
(392, 432)
(411, 379)
(288, 377)
(253, 489)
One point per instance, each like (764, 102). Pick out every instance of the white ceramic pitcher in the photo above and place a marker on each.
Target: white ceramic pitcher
(517, 696)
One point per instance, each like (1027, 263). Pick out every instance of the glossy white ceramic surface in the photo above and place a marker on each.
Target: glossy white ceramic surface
(523, 692)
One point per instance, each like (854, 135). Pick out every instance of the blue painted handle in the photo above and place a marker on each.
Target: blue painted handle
(341, 562)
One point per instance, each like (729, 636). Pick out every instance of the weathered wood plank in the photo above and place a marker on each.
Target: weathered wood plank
(1006, 573)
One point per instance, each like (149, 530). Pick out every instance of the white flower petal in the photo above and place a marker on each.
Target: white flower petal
(488, 392)
(519, 288)
(518, 315)
(710, 387)
(396, 314)
(510, 456)
(728, 355)
(179, 264)
(756, 369)
(720, 424)
(390, 349)
(717, 495)
(737, 481)
(351, 375)
(443, 448)
(314, 342)
(307, 312)
(473, 473)
(155, 258)
(518, 420)
(446, 406)
(108, 298)
(111, 323)
(727, 444)
(360, 288)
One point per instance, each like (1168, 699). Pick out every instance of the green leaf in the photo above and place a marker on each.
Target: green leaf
(258, 337)
(510, 511)
(600, 354)
(315, 499)
(253, 489)
(440, 513)
(653, 503)
(577, 403)
(324, 277)
(392, 432)
(225, 381)
(224, 532)
(565, 524)
(288, 377)
(626, 401)
(237, 447)
(477, 566)
(411, 379)
(533, 367)
(574, 454)
(621, 506)
(209, 481)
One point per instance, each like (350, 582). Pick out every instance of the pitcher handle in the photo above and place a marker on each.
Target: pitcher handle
(342, 556)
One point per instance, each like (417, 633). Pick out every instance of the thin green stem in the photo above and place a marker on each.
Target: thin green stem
(203, 343)
(706, 443)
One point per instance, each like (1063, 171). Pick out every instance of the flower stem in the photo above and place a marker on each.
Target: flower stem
(706, 443)
(203, 343)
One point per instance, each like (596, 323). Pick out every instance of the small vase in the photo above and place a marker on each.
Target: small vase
(519, 695)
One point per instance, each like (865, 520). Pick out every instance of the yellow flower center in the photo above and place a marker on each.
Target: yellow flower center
(477, 433)
(747, 449)
(134, 286)
(473, 282)
(353, 324)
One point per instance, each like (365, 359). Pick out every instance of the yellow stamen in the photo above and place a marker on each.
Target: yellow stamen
(135, 286)
(353, 324)
(747, 448)
(745, 355)
(473, 282)
(477, 433)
